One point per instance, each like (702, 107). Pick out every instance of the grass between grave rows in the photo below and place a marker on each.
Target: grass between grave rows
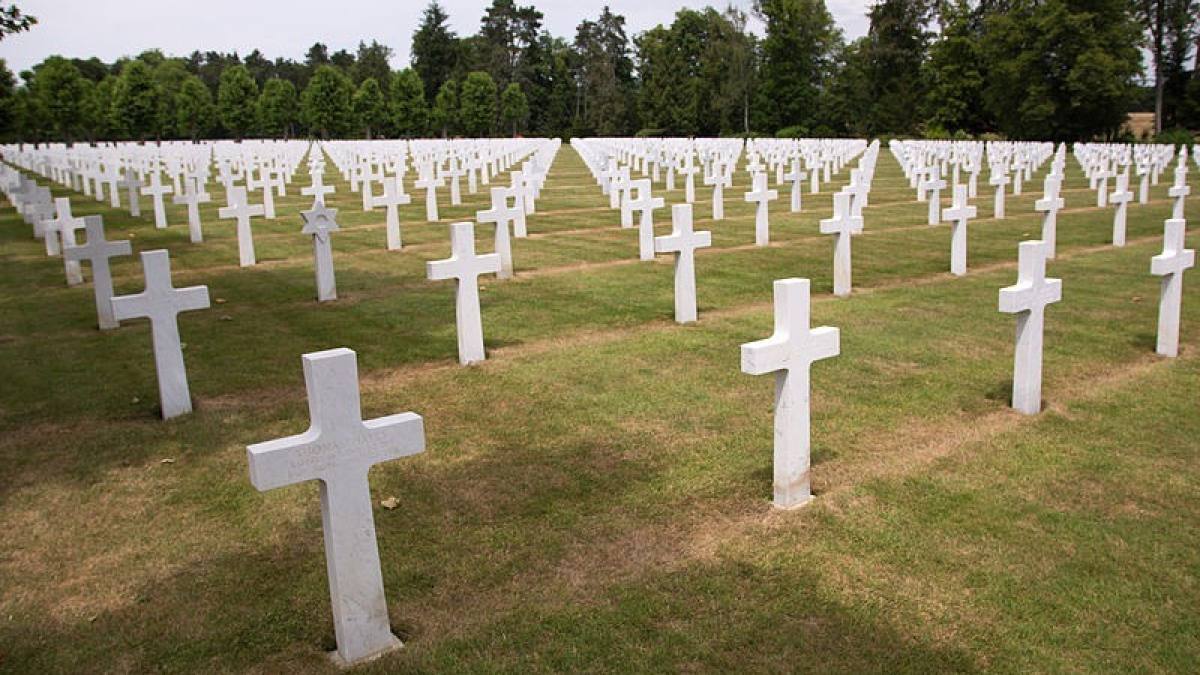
(595, 497)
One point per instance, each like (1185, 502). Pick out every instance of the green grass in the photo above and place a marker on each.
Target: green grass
(595, 497)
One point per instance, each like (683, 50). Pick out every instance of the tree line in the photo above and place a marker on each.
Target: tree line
(1037, 69)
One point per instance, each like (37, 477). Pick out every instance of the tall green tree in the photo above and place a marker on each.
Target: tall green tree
(194, 110)
(444, 116)
(953, 76)
(797, 54)
(603, 73)
(277, 108)
(1060, 69)
(237, 101)
(135, 101)
(477, 104)
(508, 42)
(1169, 26)
(895, 50)
(13, 21)
(406, 98)
(372, 61)
(169, 74)
(97, 109)
(435, 49)
(370, 108)
(514, 107)
(61, 91)
(325, 104)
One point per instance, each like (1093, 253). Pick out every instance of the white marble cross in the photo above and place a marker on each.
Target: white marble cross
(517, 193)
(998, 180)
(392, 199)
(761, 195)
(1179, 192)
(97, 251)
(1121, 196)
(161, 303)
(1170, 265)
(796, 177)
(156, 190)
(317, 190)
(934, 186)
(789, 354)
(959, 213)
(683, 242)
(319, 222)
(1101, 177)
(689, 183)
(1028, 299)
(339, 450)
(1049, 205)
(67, 225)
(844, 225)
(465, 266)
(716, 178)
(501, 214)
(431, 184)
(243, 212)
(645, 203)
(193, 198)
(133, 186)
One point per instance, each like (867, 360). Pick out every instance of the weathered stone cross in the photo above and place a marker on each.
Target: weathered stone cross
(465, 266)
(243, 212)
(1028, 300)
(97, 251)
(1170, 265)
(959, 213)
(789, 353)
(161, 303)
(339, 450)
(683, 242)
(843, 224)
(761, 195)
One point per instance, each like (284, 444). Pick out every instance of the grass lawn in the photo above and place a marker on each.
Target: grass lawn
(596, 496)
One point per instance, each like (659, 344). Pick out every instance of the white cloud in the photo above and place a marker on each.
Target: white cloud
(110, 29)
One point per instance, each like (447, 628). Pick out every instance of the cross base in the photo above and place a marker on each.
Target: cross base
(794, 506)
(343, 664)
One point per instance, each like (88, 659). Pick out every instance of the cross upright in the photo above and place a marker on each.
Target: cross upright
(193, 198)
(243, 212)
(689, 183)
(1179, 192)
(366, 184)
(465, 266)
(430, 183)
(761, 195)
(1143, 172)
(67, 225)
(517, 193)
(338, 450)
(1049, 205)
(715, 177)
(318, 189)
(959, 213)
(267, 185)
(133, 187)
(789, 353)
(318, 223)
(934, 186)
(796, 177)
(998, 180)
(392, 199)
(1028, 299)
(843, 224)
(1101, 178)
(501, 214)
(98, 251)
(1121, 196)
(161, 303)
(455, 172)
(683, 242)
(156, 190)
(1170, 265)
(644, 202)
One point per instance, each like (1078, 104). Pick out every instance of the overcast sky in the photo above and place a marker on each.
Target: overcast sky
(110, 29)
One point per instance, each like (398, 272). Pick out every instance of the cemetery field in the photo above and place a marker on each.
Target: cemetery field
(596, 495)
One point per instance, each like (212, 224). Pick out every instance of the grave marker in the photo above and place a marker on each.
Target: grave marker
(1028, 299)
